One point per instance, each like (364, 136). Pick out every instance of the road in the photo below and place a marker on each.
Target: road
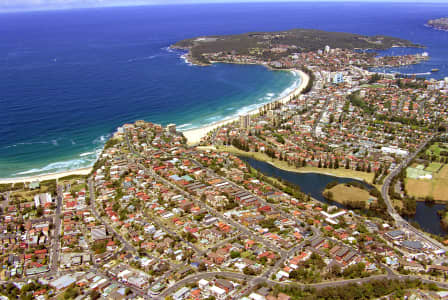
(254, 280)
(128, 247)
(196, 249)
(57, 231)
(199, 276)
(402, 223)
(202, 204)
(316, 124)
(230, 275)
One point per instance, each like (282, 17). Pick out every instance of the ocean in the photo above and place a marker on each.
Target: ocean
(69, 78)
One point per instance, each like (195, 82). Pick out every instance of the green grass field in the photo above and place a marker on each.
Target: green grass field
(344, 194)
(434, 167)
(373, 85)
(415, 173)
(436, 148)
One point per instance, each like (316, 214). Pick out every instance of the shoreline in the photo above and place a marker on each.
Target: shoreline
(195, 135)
(48, 176)
(321, 171)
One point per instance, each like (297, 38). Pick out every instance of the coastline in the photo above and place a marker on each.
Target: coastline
(49, 176)
(195, 135)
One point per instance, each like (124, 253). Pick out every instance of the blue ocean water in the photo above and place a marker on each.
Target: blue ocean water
(69, 78)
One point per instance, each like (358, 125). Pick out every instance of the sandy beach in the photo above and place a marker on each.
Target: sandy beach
(194, 136)
(82, 171)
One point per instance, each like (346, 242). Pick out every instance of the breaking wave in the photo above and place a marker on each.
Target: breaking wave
(58, 167)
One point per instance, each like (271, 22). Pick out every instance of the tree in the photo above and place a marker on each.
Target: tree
(202, 267)
(235, 254)
(248, 271)
(40, 211)
(70, 293)
(335, 270)
(94, 295)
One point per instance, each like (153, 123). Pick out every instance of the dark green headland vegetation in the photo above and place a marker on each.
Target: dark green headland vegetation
(262, 44)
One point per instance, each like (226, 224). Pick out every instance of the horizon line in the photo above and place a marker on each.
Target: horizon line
(93, 5)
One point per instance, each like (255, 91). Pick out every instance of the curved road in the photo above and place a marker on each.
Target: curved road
(402, 223)
(230, 275)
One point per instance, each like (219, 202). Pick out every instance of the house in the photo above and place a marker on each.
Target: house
(219, 293)
(98, 233)
(181, 294)
(203, 284)
(255, 296)
(442, 269)
(62, 282)
(224, 284)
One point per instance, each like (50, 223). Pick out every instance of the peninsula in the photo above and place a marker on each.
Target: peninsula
(440, 24)
(280, 44)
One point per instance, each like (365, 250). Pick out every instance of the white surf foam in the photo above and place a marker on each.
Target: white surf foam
(58, 167)
(184, 125)
(87, 153)
(168, 49)
(185, 59)
(101, 140)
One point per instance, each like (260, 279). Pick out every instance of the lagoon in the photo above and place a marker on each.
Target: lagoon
(314, 184)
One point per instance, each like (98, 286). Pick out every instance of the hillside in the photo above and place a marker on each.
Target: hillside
(275, 45)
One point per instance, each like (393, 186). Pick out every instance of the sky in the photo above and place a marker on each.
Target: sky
(24, 5)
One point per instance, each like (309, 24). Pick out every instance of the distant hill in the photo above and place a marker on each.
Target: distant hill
(440, 24)
(260, 44)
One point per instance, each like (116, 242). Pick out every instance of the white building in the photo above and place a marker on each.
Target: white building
(218, 292)
(171, 128)
(245, 121)
(338, 78)
(181, 294)
(395, 150)
(203, 284)
(42, 199)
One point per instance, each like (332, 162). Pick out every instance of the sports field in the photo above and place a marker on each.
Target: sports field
(416, 172)
(437, 187)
